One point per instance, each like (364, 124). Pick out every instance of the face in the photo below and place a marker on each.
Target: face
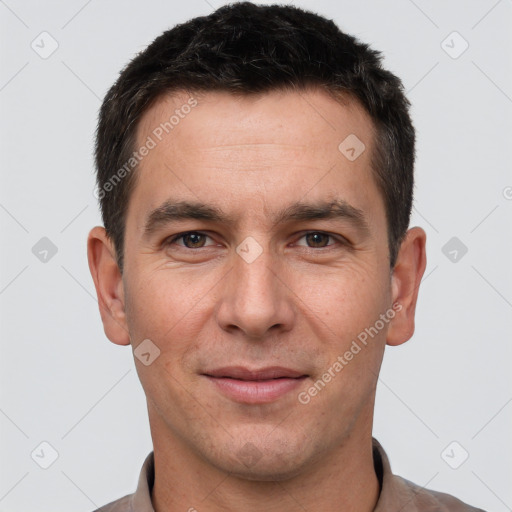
(256, 259)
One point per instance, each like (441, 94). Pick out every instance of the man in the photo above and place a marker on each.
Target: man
(255, 174)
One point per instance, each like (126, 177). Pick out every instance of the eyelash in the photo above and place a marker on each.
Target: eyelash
(182, 235)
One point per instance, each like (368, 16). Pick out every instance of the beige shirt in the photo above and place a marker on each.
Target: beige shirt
(396, 494)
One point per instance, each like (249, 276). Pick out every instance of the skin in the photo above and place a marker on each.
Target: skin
(299, 304)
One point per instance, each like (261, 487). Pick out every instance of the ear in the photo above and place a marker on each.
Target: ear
(109, 285)
(405, 281)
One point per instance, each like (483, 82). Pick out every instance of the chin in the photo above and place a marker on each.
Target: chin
(257, 460)
(264, 471)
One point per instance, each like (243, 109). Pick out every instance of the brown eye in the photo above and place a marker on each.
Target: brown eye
(317, 239)
(194, 240)
(190, 240)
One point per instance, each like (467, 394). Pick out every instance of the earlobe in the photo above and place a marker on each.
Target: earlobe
(405, 282)
(109, 285)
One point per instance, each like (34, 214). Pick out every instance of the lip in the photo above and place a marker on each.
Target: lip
(257, 386)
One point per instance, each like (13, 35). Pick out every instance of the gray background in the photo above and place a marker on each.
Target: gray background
(64, 383)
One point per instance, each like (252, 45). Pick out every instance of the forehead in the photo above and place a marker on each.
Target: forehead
(221, 148)
(312, 117)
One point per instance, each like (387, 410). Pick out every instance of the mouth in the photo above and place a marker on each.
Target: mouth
(259, 386)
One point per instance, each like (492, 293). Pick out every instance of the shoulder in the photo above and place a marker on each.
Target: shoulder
(402, 495)
(140, 500)
(416, 498)
(121, 505)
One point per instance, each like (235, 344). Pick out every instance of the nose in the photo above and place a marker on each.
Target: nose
(255, 299)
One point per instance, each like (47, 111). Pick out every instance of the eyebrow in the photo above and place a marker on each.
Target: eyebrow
(172, 211)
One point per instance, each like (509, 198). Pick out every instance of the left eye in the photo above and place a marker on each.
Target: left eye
(191, 240)
(317, 239)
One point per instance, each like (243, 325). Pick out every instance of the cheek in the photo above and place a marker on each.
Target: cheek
(346, 306)
(346, 300)
(170, 317)
(171, 310)
(162, 303)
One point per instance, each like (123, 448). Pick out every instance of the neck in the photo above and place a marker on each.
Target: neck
(344, 477)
